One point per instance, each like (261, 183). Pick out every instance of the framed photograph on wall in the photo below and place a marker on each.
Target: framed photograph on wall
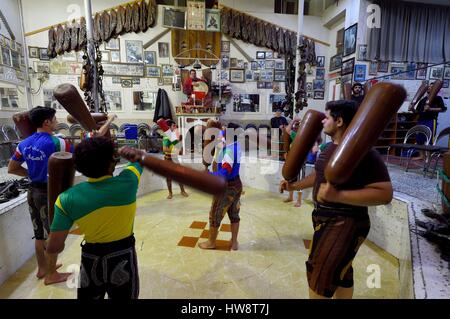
(6, 56)
(254, 65)
(335, 62)
(150, 57)
(225, 62)
(421, 73)
(383, 66)
(153, 71)
(279, 76)
(309, 86)
(319, 95)
(266, 75)
(447, 73)
(166, 70)
(163, 49)
(319, 85)
(260, 54)
(196, 15)
(233, 63)
(225, 46)
(134, 51)
(212, 17)
(445, 84)
(33, 52)
(15, 60)
(320, 73)
(411, 71)
(249, 75)
(350, 39)
(437, 73)
(261, 64)
(113, 44)
(237, 76)
(320, 61)
(397, 71)
(279, 65)
(269, 55)
(362, 52)
(167, 80)
(174, 18)
(348, 66)
(115, 56)
(373, 67)
(360, 72)
(270, 64)
(340, 41)
(43, 54)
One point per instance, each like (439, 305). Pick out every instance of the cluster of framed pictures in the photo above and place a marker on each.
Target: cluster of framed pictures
(193, 17)
(11, 53)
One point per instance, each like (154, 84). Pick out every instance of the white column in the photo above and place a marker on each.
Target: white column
(301, 4)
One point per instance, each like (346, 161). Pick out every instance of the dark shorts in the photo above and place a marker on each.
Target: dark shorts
(335, 243)
(38, 207)
(229, 202)
(109, 268)
(432, 125)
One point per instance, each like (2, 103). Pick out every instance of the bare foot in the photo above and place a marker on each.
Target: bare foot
(169, 196)
(56, 277)
(184, 194)
(297, 204)
(41, 273)
(207, 245)
(287, 200)
(234, 246)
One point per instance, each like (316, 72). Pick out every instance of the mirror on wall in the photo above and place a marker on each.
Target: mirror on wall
(144, 100)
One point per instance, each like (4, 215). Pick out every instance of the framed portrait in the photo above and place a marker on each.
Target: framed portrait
(249, 75)
(225, 46)
(224, 75)
(233, 63)
(113, 100)
(6, 56)
(33, 52)
(237, 76)
(261, 64)
(320, 61)
(115, 80)
(360, 72)
(347, 78)
(43, 54)
(260, 54)
(279, 65)
(106, 56)
(340, 41)
(320, 73)
(260, 85)
(113, 44)
(136, 81)
(270, 64)
(362, 52)
(310, 95)
(41, 67)
(150, 57)
(247, 103)
(124, 69)
(383, 66)
(350, 39)
(166, 70)
(397, 71)
(447, 73)
(115, 56)
(276, 87)
(336, 62)
(133, 51)
(153, 71)
(309, 86)
(174, 18)
(269, 85)
(269, 55)
(15, 60)
(348, 66)
(279, 76)
(319, 95)
(167, 81)
(254, 65)
(266, 75)
(225, 62)
(421, 72)
(373, 67)
(437, 73)
(212, 22)
(319, 85)
(196, 15)
(163, 49)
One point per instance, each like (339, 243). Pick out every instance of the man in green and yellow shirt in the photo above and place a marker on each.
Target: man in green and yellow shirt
(103, 208)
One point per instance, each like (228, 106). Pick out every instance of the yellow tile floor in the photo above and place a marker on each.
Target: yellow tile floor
(270, 262)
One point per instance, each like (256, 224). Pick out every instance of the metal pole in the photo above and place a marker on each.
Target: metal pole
(91, 52)
(301, 4)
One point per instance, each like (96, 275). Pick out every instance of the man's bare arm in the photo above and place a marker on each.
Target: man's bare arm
(14, 167)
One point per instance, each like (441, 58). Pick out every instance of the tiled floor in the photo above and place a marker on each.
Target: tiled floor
(270, 263)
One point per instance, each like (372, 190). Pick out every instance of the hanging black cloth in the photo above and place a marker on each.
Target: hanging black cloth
(162, 109)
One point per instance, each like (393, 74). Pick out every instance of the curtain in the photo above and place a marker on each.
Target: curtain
(411, 32)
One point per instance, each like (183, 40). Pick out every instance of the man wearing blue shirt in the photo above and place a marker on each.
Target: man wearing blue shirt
(35, 150)
(229, 202)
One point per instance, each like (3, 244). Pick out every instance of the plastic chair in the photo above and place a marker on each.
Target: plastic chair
(434, 151)
(410, 147)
